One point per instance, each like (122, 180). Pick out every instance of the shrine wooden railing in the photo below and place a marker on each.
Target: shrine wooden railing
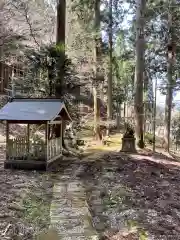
(22, 148)
(54, 148)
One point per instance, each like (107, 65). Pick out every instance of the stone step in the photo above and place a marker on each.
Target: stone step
(52, 234)
(82, 237)
(78, 231)
(70, 212)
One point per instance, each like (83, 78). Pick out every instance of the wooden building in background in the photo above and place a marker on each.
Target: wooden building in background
(6, 72)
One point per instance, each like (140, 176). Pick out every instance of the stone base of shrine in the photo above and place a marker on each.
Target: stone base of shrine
(128, 145)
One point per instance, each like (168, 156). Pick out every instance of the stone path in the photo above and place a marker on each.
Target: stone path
(69, 212)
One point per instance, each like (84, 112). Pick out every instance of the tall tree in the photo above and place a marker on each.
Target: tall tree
(110, 72)
(171, 46)
(60, 41)
(97, 75)
(61, 21)
(139, 71)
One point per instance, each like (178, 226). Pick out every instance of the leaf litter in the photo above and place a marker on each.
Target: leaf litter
(25, 198)
(145, 190)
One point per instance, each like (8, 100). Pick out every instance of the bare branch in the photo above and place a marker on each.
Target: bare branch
(30, 27)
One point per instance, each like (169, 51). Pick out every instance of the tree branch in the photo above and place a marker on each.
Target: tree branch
(25, 14)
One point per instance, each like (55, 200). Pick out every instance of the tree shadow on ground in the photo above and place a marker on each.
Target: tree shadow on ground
(172, 157)
(140, 188)
(175, 157)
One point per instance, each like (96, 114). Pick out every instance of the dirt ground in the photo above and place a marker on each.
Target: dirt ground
(130, 196)
(139, 193)
(25, 198)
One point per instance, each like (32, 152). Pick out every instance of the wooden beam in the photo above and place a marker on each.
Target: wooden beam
(26, 122)
(55, 122)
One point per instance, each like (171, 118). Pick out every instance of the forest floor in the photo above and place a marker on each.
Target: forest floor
(136, 196)
(25, 198)
(130, 196)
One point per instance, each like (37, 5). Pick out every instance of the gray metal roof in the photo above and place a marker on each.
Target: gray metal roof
(32, 109)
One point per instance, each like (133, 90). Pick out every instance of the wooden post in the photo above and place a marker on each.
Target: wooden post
(47, 141)
(7, 139)
(61, 135)
(28, 138)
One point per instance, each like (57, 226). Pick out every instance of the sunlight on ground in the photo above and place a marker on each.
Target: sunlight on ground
(95, 149)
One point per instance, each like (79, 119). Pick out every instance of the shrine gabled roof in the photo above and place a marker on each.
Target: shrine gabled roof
(31, 109)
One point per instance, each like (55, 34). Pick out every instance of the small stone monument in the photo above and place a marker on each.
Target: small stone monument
(128, 140)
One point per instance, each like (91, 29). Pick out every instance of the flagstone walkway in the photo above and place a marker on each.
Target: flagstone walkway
(69, 212)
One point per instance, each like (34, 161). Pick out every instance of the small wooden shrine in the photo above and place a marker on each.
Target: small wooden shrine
(30, 150)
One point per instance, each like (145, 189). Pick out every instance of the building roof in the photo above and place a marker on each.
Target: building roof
(33, 110)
